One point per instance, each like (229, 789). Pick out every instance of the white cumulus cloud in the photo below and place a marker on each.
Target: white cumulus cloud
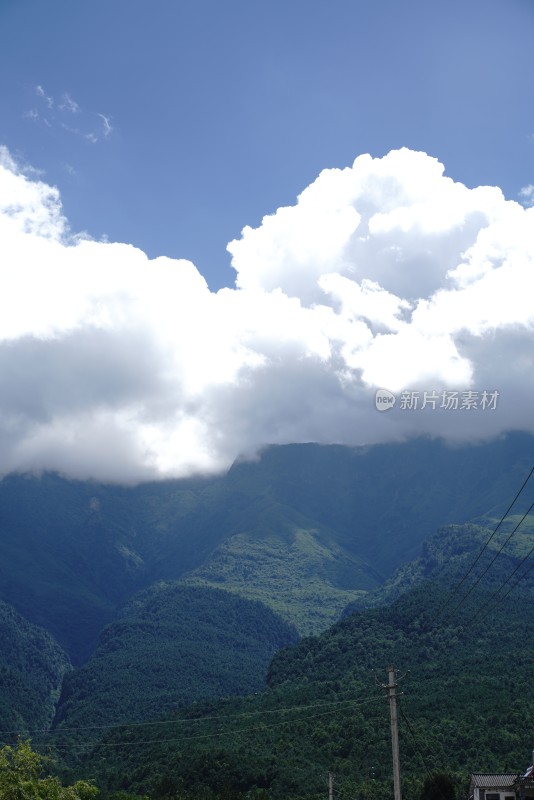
(386, 274)
(527, 195)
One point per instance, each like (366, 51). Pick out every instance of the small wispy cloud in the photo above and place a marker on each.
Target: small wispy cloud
(527, 195)
(45, 97)
(68, 104)
(106, 124)
(90, 137)
(55, 113)
(34, 116)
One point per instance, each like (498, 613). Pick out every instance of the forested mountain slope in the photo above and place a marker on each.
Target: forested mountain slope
(335, 521)
(292, 565)
(172, 645)
(32, 666)
(463, 708)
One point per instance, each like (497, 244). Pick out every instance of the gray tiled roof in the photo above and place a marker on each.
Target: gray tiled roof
(493, 780)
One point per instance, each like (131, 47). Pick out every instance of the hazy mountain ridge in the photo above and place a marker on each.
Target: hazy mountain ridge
(86, 548)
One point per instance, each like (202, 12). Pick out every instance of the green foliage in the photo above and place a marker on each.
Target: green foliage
(32, 666)
(462, 707)
(174, 645)
(302, 574)
(88, 547)
(447, 552)
(22, 778)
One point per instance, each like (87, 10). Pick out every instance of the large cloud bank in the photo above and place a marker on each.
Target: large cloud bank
(386, 274)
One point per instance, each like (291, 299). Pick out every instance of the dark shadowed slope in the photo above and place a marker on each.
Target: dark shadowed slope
(32, 666)
(171, 646)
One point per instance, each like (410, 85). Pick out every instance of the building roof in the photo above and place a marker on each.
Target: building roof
(493, 780)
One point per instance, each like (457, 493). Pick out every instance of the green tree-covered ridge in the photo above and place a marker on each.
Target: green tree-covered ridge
(463, 705)
(173, 645)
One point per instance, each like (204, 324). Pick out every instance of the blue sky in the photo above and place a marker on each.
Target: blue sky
(198, 258)
(221, 112)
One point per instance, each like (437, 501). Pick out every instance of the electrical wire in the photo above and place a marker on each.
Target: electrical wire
(484, 547)
(230, 732)
(497, 554)
(497, 591)
(177, 721)
(414, 738)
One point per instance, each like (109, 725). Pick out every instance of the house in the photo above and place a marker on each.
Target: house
(493, 786)
(502, 785)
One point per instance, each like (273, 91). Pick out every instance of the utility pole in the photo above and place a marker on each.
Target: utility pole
(394, 732)
(390, 687)
(330, 786)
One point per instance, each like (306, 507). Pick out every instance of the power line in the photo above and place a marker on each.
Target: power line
(176, 721)
(418, 751)
(414, 738)
(230, 732)
(484, 547)
(503, 584)
(430, 748)
(497, 554)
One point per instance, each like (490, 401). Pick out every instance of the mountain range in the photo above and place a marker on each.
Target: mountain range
(127, 604)
(305, 529)
(464, 667)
